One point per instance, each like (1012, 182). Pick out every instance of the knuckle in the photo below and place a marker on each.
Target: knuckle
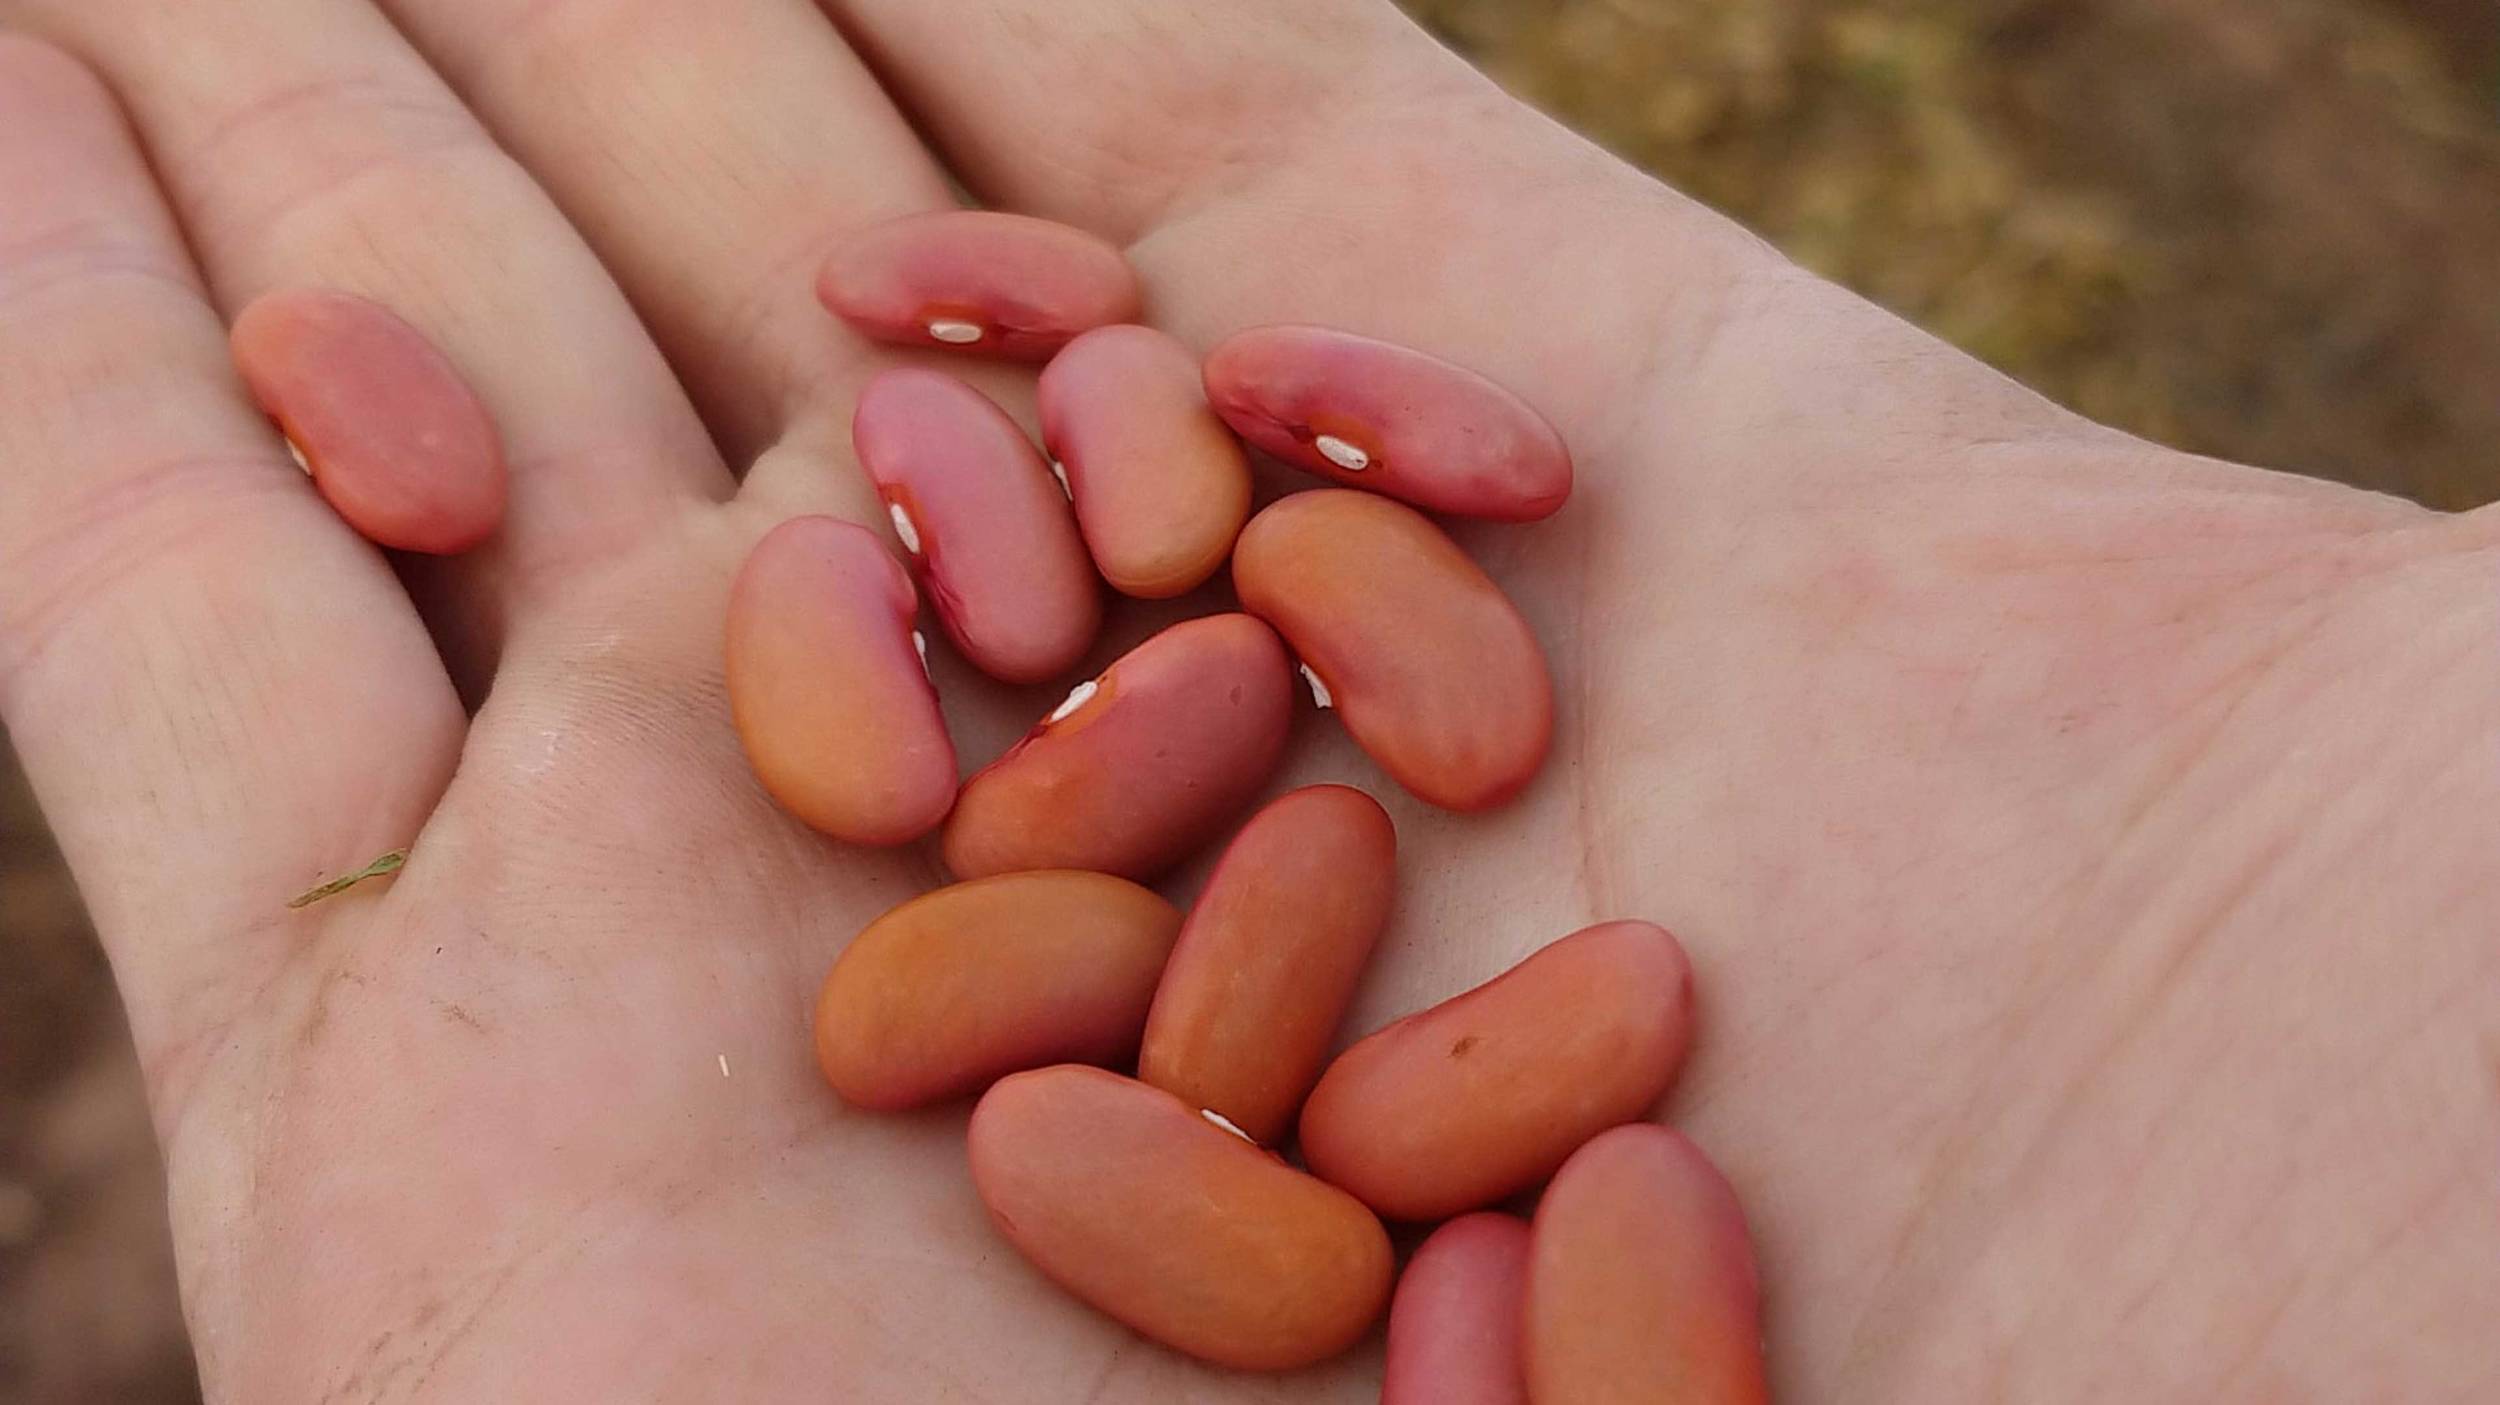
(38, 76)
(96, 557)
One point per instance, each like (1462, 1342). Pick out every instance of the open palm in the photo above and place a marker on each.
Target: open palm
(2087, 851)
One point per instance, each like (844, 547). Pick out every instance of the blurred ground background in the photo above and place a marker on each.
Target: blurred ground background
(2264, 229)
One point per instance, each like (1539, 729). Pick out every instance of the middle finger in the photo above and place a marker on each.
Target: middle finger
(712, 154)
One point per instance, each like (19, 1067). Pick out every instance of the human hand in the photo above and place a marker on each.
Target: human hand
(2084, 848)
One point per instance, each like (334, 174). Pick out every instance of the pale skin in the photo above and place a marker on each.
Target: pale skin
(2086, 850)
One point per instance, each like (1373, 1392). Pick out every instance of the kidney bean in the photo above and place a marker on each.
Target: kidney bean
(1483, 1095)
(978, 281)
(1269, 958)
(827, 687)
(1454, 1323)
(389, 429)
(1372, 414)
(1139, 767)
(1641, 1287)
(1188, 1234)
(950, 991)
(1432, 670)
(986, 530)
(1161, 487)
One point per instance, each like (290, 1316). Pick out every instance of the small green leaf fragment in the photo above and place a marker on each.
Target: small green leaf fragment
(391, 862)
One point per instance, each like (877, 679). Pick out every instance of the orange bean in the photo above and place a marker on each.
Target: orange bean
(1270, 956)
(987, 531)
(1160, 485)
(1454, 1324)
(1373, 414)
(392, 434)
(1138, 767)
(1433, 672)
(1189, 1235)
(825, 685)
(1641, 1287)
(1483, 1095)
(952, 990)
(978, 281)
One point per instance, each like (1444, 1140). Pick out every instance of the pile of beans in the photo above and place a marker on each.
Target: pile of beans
(1048, 974)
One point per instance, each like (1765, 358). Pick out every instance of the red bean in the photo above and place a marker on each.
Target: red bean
(827, 689)
(1432, 670)
(1454, 1324)
(978, 281)
(960, 986)
(1641, 1287)
(1270, 956)
(1483, 1095)
(1372, 414)
(1160, 486)
(392, 434)
(1188, 1234)
(1140, 766)
(985, 528)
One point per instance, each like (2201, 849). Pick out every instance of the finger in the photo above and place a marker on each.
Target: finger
(219, 692)
(1130, 110)
(1325, 161)
(736, 144)
(302, 141)
(1299, 148)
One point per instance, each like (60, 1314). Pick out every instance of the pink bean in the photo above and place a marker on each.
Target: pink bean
(1641, 1287)
(1161, 487)
(391, 432)
(1484, 1094)
(1270, 957)
(1134, 1202)
(978, 281)
(1372, 414)
(1139, 766)
(827, 689)
(985, 528)
(954, 989)
(1434, 673)
(1454, 1324)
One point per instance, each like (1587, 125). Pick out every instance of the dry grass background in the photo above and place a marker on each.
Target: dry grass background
(2265, 229)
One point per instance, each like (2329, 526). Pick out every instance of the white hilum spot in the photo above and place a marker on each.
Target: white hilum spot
(920, 646)
(1077, 697)
(954, 332)
(1059, 471)
(1220, 1120)
(1319, 690)
(1344, 455)
(904, 527)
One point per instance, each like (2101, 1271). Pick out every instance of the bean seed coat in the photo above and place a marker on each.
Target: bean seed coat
(392, 433)
(978, 283)
(1483, 1095)
(1191, 1236)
